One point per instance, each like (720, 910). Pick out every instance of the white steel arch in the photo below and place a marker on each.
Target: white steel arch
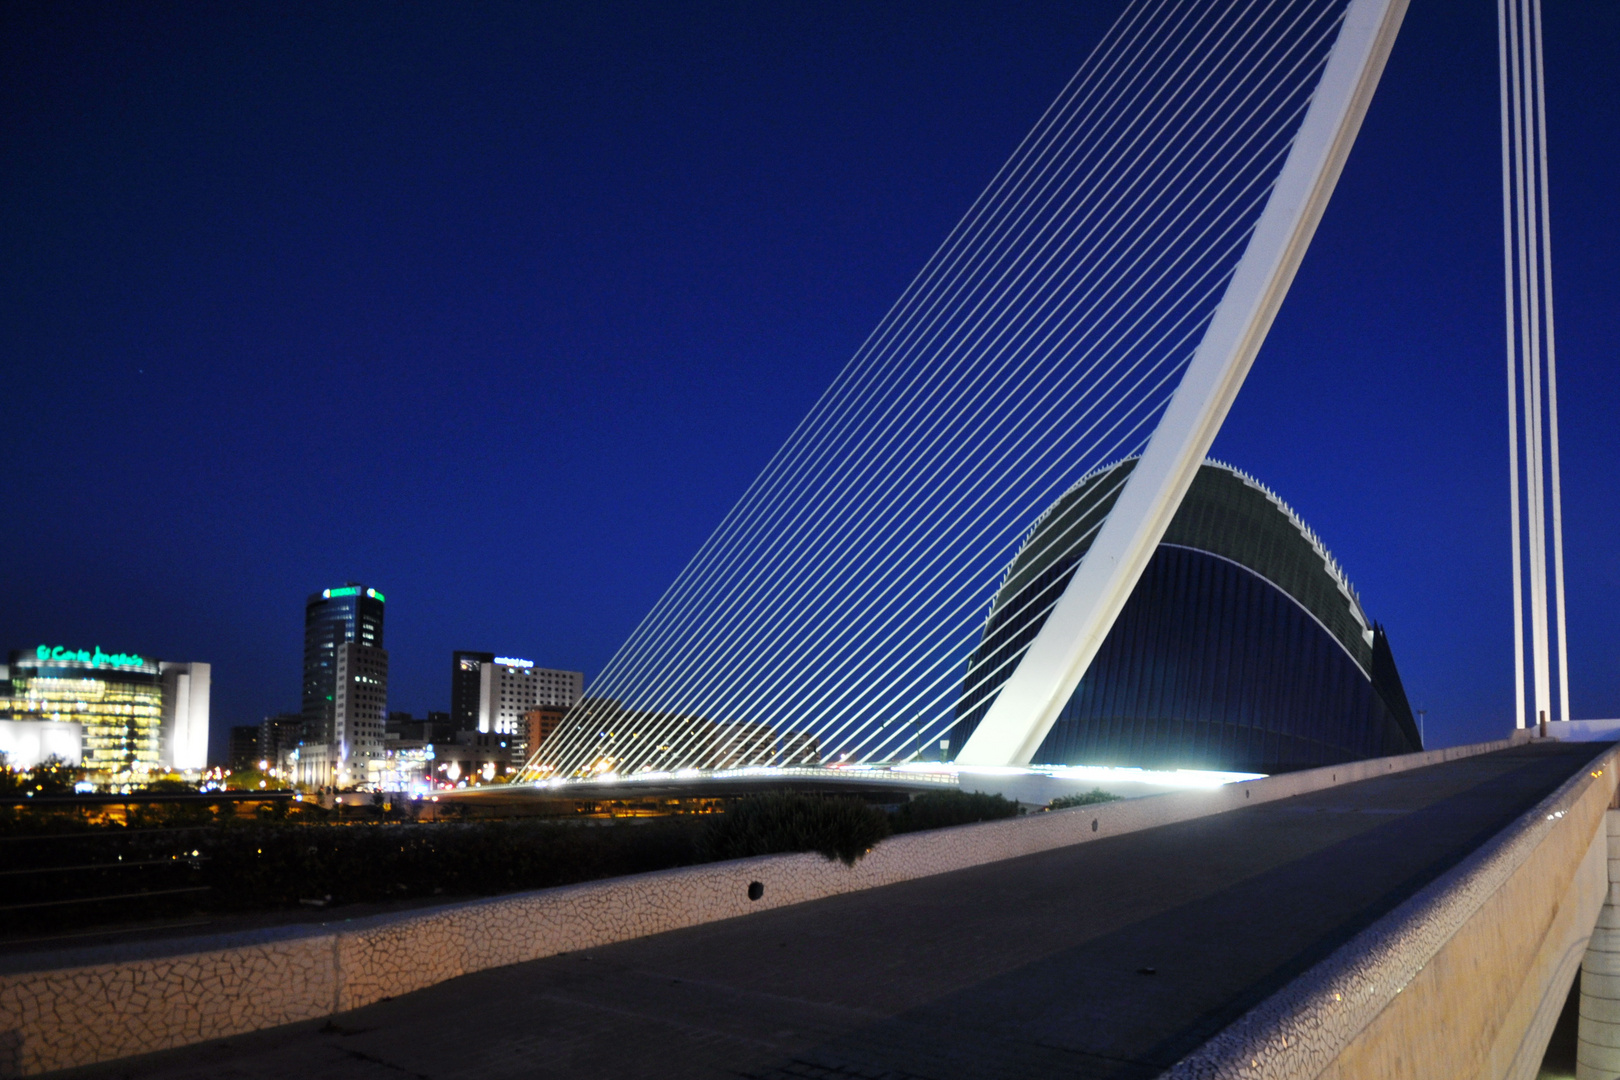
(1033, 695)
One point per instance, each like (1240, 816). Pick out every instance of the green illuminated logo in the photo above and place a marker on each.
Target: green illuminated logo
(98, 658)
(351, 590)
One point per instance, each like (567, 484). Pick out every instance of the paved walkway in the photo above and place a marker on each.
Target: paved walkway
(1110, 959)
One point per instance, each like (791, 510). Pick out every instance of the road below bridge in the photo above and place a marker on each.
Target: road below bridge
(1110, 959)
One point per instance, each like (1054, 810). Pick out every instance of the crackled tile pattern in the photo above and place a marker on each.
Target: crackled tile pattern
(1311, 1027)
(1597, 1052)
(112, 1010)
(76, 1012)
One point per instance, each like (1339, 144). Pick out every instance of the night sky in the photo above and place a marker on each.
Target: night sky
(499, 307)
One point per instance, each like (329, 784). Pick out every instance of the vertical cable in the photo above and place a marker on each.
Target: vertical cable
(841, 598)
(1526, 370)
(1512, 364)
(1552, 366)
(1535, 424)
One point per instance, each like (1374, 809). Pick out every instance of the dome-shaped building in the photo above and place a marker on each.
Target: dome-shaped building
(1243, 647)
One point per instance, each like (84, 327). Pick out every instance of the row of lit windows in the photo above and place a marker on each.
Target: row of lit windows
(133, 723)
(113, 762)
(152, 695)
(103, 717)
(98, 708)
(76, 687)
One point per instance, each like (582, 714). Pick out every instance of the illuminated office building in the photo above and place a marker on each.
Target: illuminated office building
(361, 706)
(494, 694)
(345, 693)
(138, 715)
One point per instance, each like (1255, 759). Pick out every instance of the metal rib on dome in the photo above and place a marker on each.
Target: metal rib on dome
(1226, 512)
(1331, 564)
(1243, 646)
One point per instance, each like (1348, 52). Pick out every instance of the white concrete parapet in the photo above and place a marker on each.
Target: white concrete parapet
(1464, 979)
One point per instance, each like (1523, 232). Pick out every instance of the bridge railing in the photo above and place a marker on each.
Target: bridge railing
(1466, 978)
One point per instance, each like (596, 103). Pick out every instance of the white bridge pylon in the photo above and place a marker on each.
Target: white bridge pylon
(1038, 688)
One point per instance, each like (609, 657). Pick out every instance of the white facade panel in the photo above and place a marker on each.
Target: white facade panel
(510, 687)
(26, 743)
(360, 707)
(186, 691)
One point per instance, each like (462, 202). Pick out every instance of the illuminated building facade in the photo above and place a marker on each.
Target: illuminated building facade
(361, 706)
(186, 692)
(27, 743)
(495, 695)
(137, 715)
(333, 618)
(345, 691)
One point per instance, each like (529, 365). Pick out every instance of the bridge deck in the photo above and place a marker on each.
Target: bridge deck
(1110, 959)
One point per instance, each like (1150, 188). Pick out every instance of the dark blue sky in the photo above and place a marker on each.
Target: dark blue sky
(499, 307)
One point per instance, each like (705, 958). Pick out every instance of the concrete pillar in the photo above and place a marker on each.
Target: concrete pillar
(1597, 1055)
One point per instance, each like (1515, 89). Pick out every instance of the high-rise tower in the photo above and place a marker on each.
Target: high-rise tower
(345, 683)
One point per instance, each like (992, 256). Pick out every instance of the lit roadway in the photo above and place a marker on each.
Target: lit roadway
(1107, 959)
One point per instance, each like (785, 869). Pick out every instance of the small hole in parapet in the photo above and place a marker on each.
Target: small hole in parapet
(755, 890)
(1093, 824)
(1245, 793)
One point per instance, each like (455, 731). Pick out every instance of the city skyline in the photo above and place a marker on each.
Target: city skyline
(514, 368)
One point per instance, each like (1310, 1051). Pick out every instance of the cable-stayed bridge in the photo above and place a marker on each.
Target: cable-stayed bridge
(1043, 396)
(1101, 301)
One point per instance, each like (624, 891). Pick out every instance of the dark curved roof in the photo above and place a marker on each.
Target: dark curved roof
(1226, 513)
(1243, 646)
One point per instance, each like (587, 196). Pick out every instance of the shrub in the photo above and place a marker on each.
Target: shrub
(1087, 798)
(171, 786)
(240, 866)
(839, 828)
(269, 865)
(942, 809)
